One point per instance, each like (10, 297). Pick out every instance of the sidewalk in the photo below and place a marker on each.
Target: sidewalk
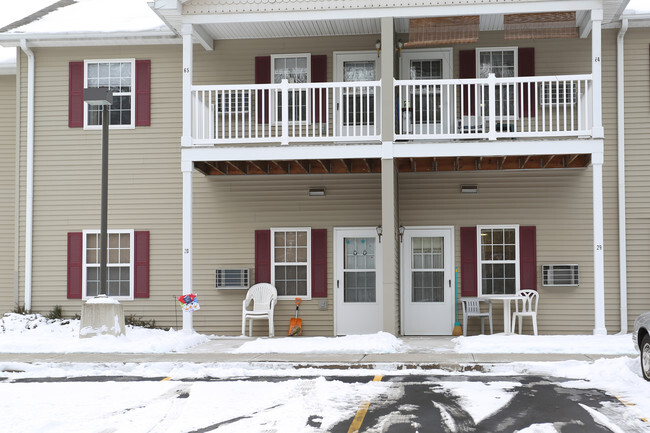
(422, 352)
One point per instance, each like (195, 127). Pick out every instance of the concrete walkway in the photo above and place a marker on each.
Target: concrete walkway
(422, 352)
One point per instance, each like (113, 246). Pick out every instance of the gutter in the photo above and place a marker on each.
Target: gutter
(29, 187)
(620, 121)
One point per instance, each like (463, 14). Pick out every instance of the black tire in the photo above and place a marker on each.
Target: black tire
(645, 357)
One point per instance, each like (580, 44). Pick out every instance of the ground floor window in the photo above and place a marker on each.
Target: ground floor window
(498, 260)
(119, 264)
(290, 262)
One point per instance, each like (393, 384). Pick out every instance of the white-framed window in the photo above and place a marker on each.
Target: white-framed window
(498, 259)
(119, 76)
(291, 262)
(502, 62)
(119, 264)
(296, 69)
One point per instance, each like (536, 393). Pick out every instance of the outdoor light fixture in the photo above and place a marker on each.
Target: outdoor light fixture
(379, 232)
(398, 47)
(103, 97)
(402, 229)
(469, 189)
(317, 192)
(378, 46)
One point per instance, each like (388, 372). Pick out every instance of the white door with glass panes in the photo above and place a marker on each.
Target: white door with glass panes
(357, 281)
(428, 282)
(356, 106)
(427, 109)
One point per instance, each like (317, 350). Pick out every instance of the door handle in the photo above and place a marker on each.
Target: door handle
(337, 284)
(449, 283)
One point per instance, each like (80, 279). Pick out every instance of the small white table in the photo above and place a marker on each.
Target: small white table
(507, 315)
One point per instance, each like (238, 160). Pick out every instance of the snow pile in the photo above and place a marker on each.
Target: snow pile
(33, 333)
(381, 342)
(582, 344)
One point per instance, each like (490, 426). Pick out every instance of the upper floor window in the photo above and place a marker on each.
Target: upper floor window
(502, 62)
(119, 76)
(295, 68)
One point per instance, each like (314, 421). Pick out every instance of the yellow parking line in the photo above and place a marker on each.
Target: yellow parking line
(361, 413)
(167, 378)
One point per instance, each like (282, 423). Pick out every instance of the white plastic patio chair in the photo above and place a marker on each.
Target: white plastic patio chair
(264, 297)
(472, 308)
(528, 301)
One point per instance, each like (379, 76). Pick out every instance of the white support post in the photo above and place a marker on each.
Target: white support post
(596, 72)
(187, 167)
(492, 106)
(188, 59)
(599, 256)
(284, 95)
(387, 65)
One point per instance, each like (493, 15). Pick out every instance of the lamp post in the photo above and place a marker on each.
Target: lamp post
(102, 96)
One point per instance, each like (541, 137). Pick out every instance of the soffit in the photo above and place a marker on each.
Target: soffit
(331, 27)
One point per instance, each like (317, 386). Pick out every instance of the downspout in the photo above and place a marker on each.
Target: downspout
(17, 169)
(620, 121)
(29, 183)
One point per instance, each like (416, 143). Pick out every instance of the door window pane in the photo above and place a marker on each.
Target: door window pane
(427, 264)
(359, 280)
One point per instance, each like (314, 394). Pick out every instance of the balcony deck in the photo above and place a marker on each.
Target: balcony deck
(461, 109)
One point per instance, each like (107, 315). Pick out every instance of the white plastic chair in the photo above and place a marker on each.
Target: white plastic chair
(472, 308)
(528, 301)
(264, 297)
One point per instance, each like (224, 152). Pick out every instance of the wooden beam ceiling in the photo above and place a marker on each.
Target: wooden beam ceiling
(404, 165)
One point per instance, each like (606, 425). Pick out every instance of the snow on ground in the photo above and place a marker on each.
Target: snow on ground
(33, 333)
(155, 403)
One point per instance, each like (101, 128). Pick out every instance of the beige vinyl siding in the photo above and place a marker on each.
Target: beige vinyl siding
(557, 202)
(637, 160)
(144, 178)
(228, 210)
(7, 189)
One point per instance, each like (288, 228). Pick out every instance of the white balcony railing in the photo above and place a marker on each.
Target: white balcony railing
(490, 108)
(493, 108)
(286, 112)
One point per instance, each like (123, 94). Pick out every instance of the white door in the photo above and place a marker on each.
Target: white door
(357, 281)
(429, 106)
(357, 108)
(428, 281)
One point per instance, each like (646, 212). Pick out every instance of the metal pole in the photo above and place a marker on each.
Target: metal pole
(103, 254)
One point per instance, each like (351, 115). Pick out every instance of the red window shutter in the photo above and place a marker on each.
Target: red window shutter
(262, 256)
(141, 259)
(142, 92)
(75, 265)
(76, 94)
(526, 67)
(467, 69)
(319, 75)
(319, 263)
(468, 264)
(528, 257)
(263, 76)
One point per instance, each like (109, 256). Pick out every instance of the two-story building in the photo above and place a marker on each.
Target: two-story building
(375, 159)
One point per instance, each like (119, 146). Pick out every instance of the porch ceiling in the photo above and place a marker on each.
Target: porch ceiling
(404, 165)
(329, 27)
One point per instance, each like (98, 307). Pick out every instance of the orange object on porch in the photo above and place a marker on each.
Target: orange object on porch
(295, 324)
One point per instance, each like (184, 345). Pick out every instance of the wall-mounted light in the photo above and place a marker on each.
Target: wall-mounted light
(398, 47)
(316, 192)
(379, 232)
(402, 229)
(378, 46)
(469, 189)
